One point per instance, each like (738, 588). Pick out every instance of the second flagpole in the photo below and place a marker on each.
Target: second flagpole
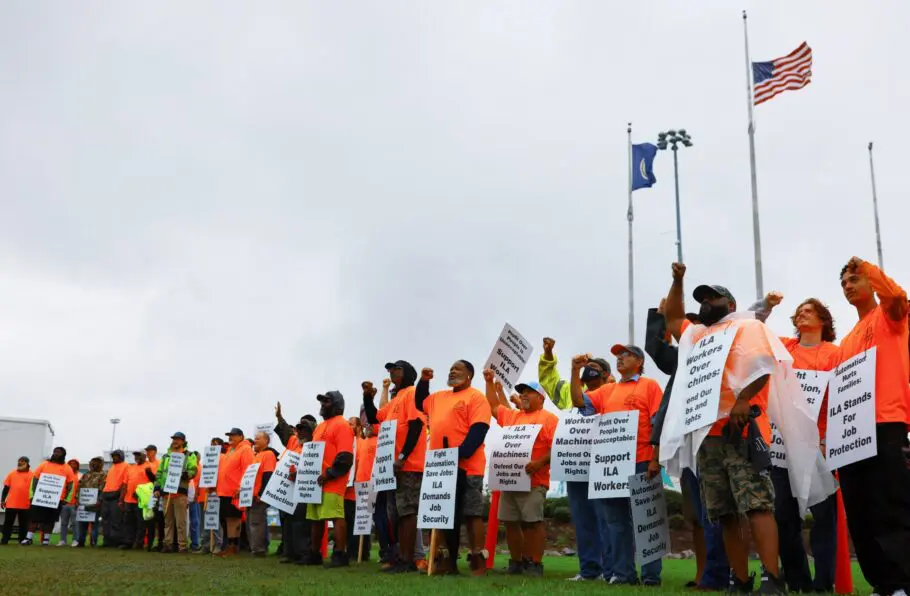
(630, 217)
(756, 229)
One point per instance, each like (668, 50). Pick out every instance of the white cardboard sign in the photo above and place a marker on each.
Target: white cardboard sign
(88, 497)
(613, 455)
(247, 483)
(279, 491)
(363, 512)
(48, 491)
(354, 465)
(174, 471)
(211, 519)
(698, 377)
(509, 356)
(509, 456)
(851, 411)
(437, 490)
(649, 518)
(383, 472)
(571, 453)
(814, 384)
(211, 457)
(84, 516)
(309, 469)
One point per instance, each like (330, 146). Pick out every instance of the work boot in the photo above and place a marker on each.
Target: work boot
(339, 559)
(740, 587)
(315, 559)
(478, 564)
(515, 567)
(534, 569)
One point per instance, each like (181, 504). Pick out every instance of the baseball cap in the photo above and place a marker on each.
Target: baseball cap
(705, 291)
(603, 364)
(234, 431)
(153, 448)
(533, 386)
(117, 452)
(635, 350)
(397, 364)
(179, 435)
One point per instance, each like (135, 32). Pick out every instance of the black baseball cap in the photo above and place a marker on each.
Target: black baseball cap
(603, 364)
(234, 431)
(704, 291)
(397, 364)
(179, 435)
(117, 452)
(635, 350)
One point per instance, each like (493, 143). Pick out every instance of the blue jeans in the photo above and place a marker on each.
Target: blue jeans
(622, 535)
(195, 521)
(595, 558)
(82, 530)
(717, 569)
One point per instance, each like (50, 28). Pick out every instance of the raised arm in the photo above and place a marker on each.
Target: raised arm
(490, 380)
(892, 296)
(384, 396)
(422, 390)
(548, 377)
(578, 394)
(675, 312)
(369, 408)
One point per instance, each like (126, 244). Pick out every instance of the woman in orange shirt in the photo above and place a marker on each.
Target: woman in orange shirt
(15, 499)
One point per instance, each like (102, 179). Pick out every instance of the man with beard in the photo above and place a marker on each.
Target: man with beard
(133, 520)
(94, 478)
(460, 417)
(592, 534)
(257, 524)
(175, 504)
(43, 519)
(337, 460)
(522, 512)
(875, 489)
(15, 499)
(410, 453)
(111, 516)
(230, 473)
(732, 490)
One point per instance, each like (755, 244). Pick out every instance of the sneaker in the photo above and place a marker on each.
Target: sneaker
(740, 587)
(46, 542)
(62, 543)
(900, 592)
(26, 542)
(197, 550)
(581, 578)
(534, 569)
(515, 567)
(616, 581)
(76, 545)
(651, 583)
(771, 584)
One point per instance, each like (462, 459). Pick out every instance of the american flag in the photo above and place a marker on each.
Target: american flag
(793, 71)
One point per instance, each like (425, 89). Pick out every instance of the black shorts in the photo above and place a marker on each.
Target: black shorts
(228, 511)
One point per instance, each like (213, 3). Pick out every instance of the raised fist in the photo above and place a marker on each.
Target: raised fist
(679, 271)
(548, 344)
(579, 361)
(368, 389)
(774, 298)
(426, 374)
(386, 383)
(488, 375)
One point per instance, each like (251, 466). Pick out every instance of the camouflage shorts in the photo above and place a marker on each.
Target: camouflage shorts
(472, 500)
(728, 483)
(407, 495)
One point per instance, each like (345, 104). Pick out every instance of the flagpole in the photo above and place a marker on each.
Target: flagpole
(878, 234)
(630, 217)
(756, 231)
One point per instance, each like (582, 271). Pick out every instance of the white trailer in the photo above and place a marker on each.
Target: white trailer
(22, 436)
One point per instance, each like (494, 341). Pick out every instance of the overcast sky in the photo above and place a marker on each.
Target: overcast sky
(210, 206)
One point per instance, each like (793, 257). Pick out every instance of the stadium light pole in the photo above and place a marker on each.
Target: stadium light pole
(114, 423)
(878, 232)
(671, 139)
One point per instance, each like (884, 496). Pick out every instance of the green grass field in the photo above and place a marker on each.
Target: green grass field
(64, 570)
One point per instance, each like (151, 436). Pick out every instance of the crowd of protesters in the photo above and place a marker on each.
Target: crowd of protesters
(730, 483)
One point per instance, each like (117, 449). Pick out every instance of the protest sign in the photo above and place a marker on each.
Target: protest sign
(309, 469)
(265, 427)
(613, 455)
(211, 457)
(363, 509)
(698, 379)
(88, 497)
(48, 491)
(851, 411)
(813, 383)
(279, 491)
(85, 516)
(437, 490)
(509, 456)
(354, 466)
(509, 356)
(174, 471)
(649, 517)
(247, 482)
(778, 453)
(383, 472)
(571, 453)
(211, 519)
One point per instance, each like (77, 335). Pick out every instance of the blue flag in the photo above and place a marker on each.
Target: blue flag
(643, 165)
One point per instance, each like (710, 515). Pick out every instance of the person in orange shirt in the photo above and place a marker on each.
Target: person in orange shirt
(364, 456)
(43, 519)
(875, 490)
(257, 524)
(730, 486)
(133, 522)
(350, 494)
(230, 472)
(522, 512)
(68, 513)
(211, 541)
(632, 392)
(296, 529)
(15, 499)
(410, 454)
(460, 417)
(337, 460)
(812, 350)
(111, 516)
